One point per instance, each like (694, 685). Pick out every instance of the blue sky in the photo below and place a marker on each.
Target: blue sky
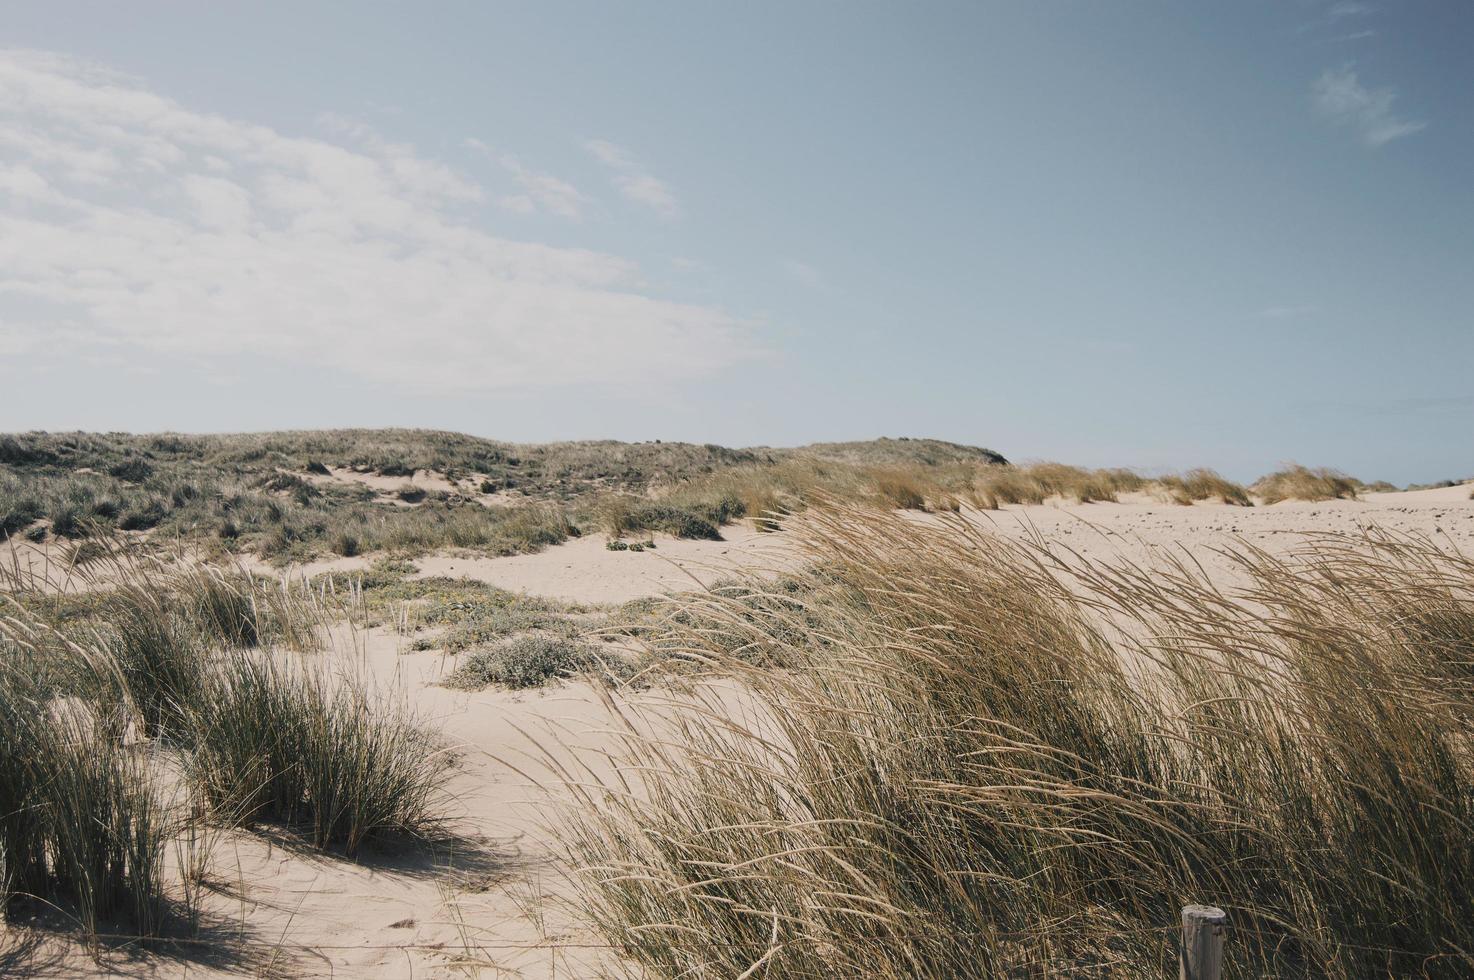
(1149, 234)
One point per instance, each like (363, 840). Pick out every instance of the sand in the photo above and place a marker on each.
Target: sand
(493, 897)
(1140, 527)
(585, 571)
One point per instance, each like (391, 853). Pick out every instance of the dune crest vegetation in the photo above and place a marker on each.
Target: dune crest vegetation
(290, 496)
(1296, 482)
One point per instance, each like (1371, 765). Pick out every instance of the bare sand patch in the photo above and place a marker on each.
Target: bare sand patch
(585, 570)
(423, 479)
(1139, 528)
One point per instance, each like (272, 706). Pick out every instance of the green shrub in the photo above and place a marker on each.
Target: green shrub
(142, 517)
(17, 512)
(131, 470)
(67, 521)
(680, 522)
(479, 626)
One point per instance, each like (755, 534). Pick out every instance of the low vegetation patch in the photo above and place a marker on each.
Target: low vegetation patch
(1203, 484)
(291, 496)
(1302, 483)
(527, 661)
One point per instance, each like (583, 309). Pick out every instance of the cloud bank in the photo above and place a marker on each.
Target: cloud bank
(131, 222)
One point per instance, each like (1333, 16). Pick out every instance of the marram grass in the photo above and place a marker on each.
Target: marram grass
(107, 696)
(982, 759)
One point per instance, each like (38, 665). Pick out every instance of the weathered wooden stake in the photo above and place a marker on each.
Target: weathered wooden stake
(1203, 927)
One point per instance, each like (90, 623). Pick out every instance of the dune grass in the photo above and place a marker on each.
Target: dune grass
(1296, 482)
(290, 496)
(1037, 482)
(1203, 484)
(980, 759)
(107, 695)
(80, 827)
(274, 740)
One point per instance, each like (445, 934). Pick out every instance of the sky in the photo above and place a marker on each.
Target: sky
(1151, 234)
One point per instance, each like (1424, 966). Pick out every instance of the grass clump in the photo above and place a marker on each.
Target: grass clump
(158, 657)
(525, 662)
(699, 522)
(900, 489)
(477, 629)
(18, 510)
(1203, 484)
(1037, 482)
(410, 494)
(1297, 482)
(108, 695)
(273, 740)
(993, 739)
(236, 609)
(80, 827)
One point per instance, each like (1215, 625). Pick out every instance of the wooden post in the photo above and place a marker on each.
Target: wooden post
(1203, 927)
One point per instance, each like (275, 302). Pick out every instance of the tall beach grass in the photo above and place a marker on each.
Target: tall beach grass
(109, 696)
(983, 758)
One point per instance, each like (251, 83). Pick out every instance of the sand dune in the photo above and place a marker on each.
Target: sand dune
(492, 896)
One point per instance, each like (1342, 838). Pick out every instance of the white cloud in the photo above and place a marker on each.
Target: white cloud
(517, 203)
(1349, 8)
(633, 181)
(539, 191)
(219, 203)
(131, 222)
(1339, 96)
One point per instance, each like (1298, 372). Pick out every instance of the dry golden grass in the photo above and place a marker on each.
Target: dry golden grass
(158, 698)
(900, 488)
(1037, 482)
(1296, 482)
(982, 759)
(1203, 484)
